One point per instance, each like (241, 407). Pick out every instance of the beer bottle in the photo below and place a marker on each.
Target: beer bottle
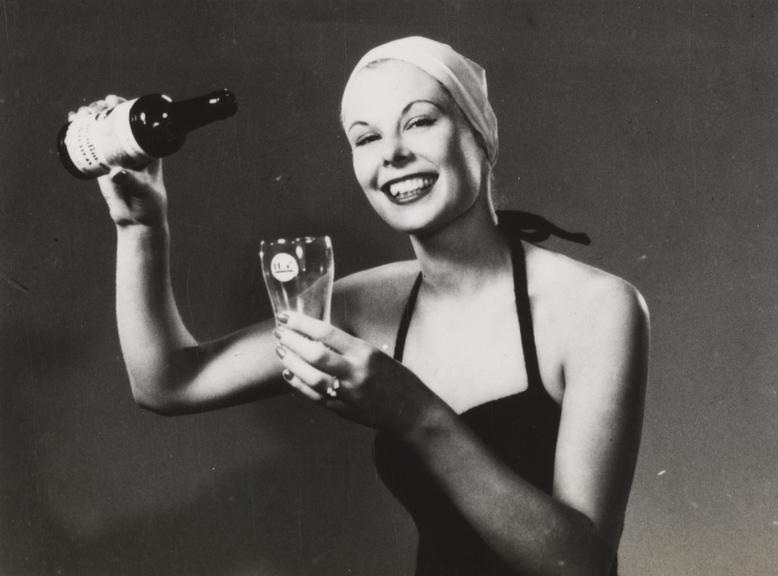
(134, 132)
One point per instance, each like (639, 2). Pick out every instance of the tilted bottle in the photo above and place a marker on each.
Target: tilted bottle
(134, 132)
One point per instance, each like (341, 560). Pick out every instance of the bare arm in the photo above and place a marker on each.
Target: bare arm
(170, 371)
(576, 529)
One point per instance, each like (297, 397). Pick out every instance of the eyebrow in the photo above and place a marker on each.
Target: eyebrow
(405, 109)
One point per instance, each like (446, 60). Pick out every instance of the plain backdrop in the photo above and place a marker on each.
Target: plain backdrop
(649, 125)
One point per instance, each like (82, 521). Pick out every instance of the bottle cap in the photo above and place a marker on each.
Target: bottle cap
(225, 102)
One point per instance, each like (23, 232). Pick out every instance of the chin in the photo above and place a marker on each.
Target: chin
(422, 222)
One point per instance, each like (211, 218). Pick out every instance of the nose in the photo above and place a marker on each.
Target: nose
(395, 152)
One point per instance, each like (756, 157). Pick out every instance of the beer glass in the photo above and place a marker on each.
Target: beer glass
(299, 274)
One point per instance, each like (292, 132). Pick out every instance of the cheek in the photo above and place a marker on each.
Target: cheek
(456, 148)
(366, 180)
(468, 157)
(362, 170)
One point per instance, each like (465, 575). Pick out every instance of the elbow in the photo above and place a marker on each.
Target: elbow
(591, 562)
(161, 383)
(592, 554)
(151, 406)
(579, 549)
(597, 563)
(150, 399)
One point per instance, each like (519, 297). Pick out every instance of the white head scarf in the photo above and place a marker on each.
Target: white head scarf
(464, 79)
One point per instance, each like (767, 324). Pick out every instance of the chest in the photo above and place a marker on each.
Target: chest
(467, 354)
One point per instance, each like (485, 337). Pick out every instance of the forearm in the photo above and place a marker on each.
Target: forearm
(528, 528)
(150, 327)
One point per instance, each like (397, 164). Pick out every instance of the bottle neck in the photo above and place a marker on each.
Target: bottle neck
(196, 112)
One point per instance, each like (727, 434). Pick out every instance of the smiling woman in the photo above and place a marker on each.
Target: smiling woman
(443, 110)
(508, 418)
(407, 134)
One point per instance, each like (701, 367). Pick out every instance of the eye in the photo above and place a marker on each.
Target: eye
(365, 139)
(420, 122)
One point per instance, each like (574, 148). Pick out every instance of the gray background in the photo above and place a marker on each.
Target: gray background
(651, 125)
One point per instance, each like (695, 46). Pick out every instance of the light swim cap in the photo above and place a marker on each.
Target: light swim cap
(464, 79)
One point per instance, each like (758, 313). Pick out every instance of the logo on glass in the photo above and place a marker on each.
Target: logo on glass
(284, 267)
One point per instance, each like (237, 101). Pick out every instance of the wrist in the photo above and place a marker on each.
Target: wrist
(432, 421)
(143, 238)
(143, 231)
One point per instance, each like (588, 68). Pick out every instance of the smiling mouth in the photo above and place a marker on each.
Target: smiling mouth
(409, 189)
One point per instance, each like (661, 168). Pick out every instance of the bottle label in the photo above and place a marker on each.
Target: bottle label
(284, 267)
(96, 143)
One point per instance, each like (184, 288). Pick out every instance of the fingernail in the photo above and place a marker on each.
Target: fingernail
(280, 351)
(287, 375)
(282, 317)
(276, 333)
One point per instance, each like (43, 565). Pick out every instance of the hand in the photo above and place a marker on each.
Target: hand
(350, 376)
(133, 196)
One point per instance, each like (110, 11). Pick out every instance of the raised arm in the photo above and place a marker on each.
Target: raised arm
(170, 371)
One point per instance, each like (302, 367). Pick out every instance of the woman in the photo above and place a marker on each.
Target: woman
(509, 417)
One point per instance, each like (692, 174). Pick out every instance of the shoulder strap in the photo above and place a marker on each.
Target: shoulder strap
(405, 321)
(516, 225)
(524, 311)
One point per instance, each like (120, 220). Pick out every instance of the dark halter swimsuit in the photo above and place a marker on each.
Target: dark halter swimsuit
(521, 429)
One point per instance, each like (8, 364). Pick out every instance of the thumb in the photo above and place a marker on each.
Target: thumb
(112, 185)
(117, 174)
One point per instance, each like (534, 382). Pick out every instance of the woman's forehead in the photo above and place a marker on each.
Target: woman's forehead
(387, 87)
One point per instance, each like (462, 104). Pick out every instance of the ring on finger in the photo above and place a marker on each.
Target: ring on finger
(332, 388)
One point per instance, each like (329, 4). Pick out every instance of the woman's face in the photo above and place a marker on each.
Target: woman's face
(414, 153)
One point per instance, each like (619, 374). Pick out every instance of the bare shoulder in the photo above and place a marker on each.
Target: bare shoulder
(370, 302)
(575, 298)
(578, 287)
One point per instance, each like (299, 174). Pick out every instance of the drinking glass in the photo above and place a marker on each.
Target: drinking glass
(299, 274)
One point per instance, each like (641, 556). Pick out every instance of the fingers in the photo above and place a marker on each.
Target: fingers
(138, 178)
(320, 331)
(315, 353)
(110, 101)
(110, 184)
(302, 375)
(301, 386)
(117, 174)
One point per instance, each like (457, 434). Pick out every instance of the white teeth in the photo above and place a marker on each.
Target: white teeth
(410, 186)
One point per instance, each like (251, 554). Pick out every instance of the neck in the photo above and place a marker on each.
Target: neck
(464, 256)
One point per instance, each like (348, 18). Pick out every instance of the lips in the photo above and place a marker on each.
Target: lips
(409, 188)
